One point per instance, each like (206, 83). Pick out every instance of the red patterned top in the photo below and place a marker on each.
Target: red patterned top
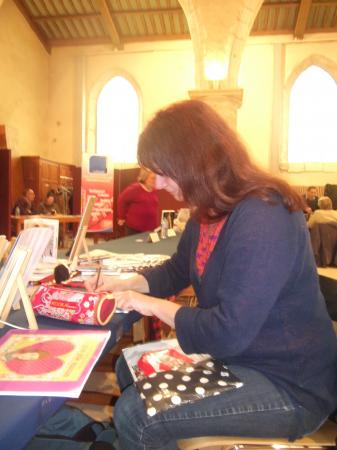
(209, 233)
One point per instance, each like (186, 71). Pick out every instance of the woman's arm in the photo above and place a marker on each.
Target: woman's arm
(174, 274)
(258, 257)
(147, 306)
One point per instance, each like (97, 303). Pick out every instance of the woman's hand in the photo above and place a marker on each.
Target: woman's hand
(113, 283)
(147, 306)
(121, 222)
(105, 283)
(134, 301)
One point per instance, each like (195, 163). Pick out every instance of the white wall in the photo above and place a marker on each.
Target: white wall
(48, 102)
(24, 84)
(162, 73)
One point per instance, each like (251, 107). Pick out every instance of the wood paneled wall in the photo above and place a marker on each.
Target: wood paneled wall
(5, 192)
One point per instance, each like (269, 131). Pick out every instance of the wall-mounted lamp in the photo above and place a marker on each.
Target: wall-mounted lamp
(215, 71)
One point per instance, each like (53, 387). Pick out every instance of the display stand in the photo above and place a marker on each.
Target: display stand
(79, 241)
(12, 282)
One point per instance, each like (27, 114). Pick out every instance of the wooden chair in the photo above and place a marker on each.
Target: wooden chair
(187, 297)
(325, 437)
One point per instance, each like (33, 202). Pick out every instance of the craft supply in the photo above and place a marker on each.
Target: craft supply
(98, 277)
(63, 303)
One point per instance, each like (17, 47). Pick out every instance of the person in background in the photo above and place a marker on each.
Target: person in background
(324, 214)
(310, 200)
(247, 253)
(138, 204)
(49, 207)
(24, 204)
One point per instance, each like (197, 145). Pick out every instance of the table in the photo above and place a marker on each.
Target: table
(18, 221)
(20, 417)
(328, 284)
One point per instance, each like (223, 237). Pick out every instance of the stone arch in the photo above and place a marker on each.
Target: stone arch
(325, 64)
(93, 95)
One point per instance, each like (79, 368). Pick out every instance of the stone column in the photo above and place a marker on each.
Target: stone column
(219, 30)
(225, 101)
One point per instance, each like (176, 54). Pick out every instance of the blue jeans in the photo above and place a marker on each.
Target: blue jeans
(258, 409)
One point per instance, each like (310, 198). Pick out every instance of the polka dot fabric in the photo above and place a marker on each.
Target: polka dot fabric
(189, 383)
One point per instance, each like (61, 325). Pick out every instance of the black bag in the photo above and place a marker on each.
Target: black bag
(71, 429)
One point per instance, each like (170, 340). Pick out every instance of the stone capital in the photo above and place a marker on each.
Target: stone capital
(225, 102)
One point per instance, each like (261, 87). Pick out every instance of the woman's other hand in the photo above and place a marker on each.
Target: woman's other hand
(105, 283)
(147, 306)
(113, 283)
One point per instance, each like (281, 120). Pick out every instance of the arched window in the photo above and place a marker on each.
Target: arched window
(118, 121)
(312, 136)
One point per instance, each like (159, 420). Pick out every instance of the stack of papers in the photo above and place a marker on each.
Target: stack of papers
(119, 263)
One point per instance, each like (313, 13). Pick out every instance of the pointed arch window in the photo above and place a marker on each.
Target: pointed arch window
(118, 121)
(312, 127)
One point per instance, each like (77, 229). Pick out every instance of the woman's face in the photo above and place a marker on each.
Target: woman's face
(163, 182)
(150, 181)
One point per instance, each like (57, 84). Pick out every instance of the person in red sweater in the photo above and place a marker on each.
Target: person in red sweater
(138, 204)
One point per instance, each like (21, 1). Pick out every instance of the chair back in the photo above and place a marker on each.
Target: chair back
(324, 243)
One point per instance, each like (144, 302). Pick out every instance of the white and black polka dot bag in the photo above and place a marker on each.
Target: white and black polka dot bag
(188, 383)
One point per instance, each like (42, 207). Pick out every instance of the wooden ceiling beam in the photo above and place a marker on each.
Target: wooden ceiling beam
(292, 4)
(68, 16)
(35, 28)
(156, 37)
(80, 41)
(302, 18)
(109, 24)
(148, 11)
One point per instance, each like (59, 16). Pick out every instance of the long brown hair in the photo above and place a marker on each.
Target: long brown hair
(190, 143)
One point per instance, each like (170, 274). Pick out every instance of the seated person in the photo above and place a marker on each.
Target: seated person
(324, 214)
(24, 204)
(311, 200)
(48, 206)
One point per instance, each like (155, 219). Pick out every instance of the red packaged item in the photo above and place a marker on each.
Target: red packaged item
(161, 361)
(62, 303)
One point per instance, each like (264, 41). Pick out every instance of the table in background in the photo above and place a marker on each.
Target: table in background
(21, 416)
(18, 222)
(328, 284)
(138, 243)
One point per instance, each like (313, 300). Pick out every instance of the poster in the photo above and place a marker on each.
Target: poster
(97, 180)
(48, 362)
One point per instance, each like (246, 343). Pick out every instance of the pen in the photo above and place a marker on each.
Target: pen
(98, 277)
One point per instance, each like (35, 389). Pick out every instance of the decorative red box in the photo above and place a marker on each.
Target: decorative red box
(89, 308)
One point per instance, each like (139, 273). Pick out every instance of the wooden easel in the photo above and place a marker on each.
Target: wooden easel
(80, 241)
(11, 281)
(3, 246)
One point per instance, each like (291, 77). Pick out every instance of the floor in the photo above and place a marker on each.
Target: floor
(104, 382)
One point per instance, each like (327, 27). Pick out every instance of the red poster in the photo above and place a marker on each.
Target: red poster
(97, 181)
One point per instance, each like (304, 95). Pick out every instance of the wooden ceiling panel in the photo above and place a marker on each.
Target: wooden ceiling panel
(73, 22)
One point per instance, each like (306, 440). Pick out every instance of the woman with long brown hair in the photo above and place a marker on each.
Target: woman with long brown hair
(246, 252)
